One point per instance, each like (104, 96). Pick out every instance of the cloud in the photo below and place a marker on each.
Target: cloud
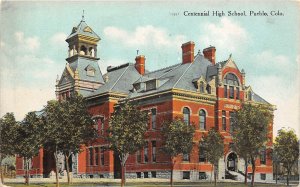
(2, 44)
(225, 34)
(21, 100)
(27, 44)
(58, 39)
(271, 62)
(144, 36)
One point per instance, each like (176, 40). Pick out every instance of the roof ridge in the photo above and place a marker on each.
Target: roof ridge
(182, 74)
(163, 68)
(118, 78)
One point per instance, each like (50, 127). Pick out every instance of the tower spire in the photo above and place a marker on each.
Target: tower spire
(82, 15)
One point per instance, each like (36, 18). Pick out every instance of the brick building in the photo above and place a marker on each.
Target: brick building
(199, 89)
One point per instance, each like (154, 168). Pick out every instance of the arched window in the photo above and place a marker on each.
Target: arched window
(186, 115)
(83, 50)
(231, 79)
(202, 119)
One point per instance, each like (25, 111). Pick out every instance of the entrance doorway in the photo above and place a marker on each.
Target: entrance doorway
(232, 161)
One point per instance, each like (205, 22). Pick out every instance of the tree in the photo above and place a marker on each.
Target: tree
(29, 140)
(250, 132)
(177, 139)
(8, 125)
(127, 128)
(213, 147)
(286, 147)
(69, 125)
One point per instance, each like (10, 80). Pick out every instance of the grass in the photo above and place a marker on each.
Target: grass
(163, 184)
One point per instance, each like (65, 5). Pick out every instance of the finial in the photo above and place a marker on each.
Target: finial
(137, 52)
(82, 15)
(230, 56)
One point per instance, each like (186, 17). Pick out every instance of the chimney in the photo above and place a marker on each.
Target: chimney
(210, 54)
(188, 52)
(140, 64)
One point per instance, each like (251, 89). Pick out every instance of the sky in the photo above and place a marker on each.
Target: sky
(33, 48)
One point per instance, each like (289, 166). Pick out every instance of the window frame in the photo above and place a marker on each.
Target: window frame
(186, 115)
(202, 119)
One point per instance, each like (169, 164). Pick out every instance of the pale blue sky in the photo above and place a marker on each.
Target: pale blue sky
(33, 49)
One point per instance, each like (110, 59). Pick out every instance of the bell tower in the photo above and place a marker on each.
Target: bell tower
(82, 73)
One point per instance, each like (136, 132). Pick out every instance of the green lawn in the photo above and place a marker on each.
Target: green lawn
(206, 184)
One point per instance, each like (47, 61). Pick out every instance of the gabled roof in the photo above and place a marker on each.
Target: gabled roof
(83, 29)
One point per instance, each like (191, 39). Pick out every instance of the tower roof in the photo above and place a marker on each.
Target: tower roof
(83, 29)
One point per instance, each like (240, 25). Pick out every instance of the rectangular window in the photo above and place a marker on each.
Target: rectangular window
(262, 176)
(153, 174)
(185, 175)
(91, 156)
(102, 155)
(202, 176)
(101, 125)
(263, 157)
(146, 154)
(224, 120)
(231, 118)
(186, 157)
(138, 175)
(231, 92)
(153, 118)
(138, 156)
(225, 91)
(146, 175)
(150, 85)
(96, 156)
(153, 151)
(202, 156)
(237, 93)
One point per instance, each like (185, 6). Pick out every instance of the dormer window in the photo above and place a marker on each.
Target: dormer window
(231, 83)
(90, 71)
(151, 85)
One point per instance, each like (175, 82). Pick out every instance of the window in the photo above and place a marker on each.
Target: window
(201, 87)
(186, 157)
(231, 79)
(224, 120)
(208, 89)
(96, 156)
(263, 157)
(99, 126)
(138, 156)
(102, 155)
(153, 118)
(202, 156)
(151, 85)
(250, 96)
(185, 175)
(153, 174)
(146, 175)
(138, 175)
(202, 176)
(231, 92)
(231, 118)
(186, 115)
(262, 176)
(153, 151)
(237, 93)
(146, 154)
(91, 156)
(202, 119)
(225, 91)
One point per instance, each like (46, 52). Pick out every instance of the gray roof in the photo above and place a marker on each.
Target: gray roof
(120, 79)
(81, 64)
(259, 99)
(82, 29)
(176, 76)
